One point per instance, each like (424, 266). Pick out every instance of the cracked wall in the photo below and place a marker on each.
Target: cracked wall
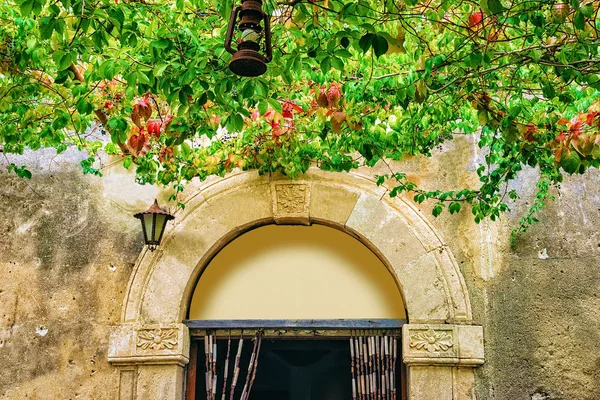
(68, 244)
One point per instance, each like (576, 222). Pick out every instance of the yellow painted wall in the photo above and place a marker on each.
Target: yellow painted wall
(296, 272)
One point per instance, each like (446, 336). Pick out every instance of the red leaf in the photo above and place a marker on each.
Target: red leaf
(334, 95)
(558, 154)
(528, 134)
(137, 142)
(590, 118)
(322, 100)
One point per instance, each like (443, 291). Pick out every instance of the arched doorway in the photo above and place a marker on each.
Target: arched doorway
(440, 344)
(308, 291)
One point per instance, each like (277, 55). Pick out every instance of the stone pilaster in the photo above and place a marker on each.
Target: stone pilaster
(440, 360)
(151, 360)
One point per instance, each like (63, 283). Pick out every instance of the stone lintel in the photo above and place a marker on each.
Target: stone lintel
(443, 344)
(137, 344)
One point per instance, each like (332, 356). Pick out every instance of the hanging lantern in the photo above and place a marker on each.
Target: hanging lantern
(247, 60)
(154, 220)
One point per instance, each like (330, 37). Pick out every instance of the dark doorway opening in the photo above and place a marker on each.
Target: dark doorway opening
(290, 369)
(293, 364)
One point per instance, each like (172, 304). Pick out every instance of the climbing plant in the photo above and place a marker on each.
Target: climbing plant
(351, 83)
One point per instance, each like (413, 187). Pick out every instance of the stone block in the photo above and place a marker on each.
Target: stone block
(160, 382)
(291, 202)
(430, 383)
(134, 344)
(381, 225)
(127, 383)
(423, 287)
(332, 203)
(464, 383)
(430, 344)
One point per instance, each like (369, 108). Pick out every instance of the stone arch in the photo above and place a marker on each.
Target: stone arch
(160, 289)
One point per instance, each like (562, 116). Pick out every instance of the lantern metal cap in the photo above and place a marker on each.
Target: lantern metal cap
(154, 209)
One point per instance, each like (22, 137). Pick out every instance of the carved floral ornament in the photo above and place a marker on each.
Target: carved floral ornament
(291, 199)
(157, 339)
(431, 340)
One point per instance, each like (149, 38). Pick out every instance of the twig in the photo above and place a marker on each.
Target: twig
(353, 367)
(226, 373)
(250, 368)
(255, 364)
(237, 368)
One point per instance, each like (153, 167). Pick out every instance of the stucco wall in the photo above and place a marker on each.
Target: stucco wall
(68, 244)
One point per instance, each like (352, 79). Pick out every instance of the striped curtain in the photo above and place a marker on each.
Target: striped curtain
(373, 364)
(211, 374)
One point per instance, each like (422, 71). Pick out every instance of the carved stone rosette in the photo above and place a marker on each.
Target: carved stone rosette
(132, 344)
(431, 340)
(459, 345)
(157, 338)
(291, 203)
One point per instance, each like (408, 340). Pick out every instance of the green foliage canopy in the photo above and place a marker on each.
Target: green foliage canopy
(351, 83)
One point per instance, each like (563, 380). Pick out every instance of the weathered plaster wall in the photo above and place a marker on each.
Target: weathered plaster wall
(548, 290)
(68, 245)
(66, 253)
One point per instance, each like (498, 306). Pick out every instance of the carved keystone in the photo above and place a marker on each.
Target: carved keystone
(459, 345)
(291, 203)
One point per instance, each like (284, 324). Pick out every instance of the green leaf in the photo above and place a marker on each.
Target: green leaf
(143, 78)
(127, 161)
(57, 56)
(107, 70)
(587, 10)
(234, 123)
(380, 45)
(342, 53)
(182, 96)
(326, 64)
(536, 54)
(579, 20)
(437, 210)
(26, 7)
(276, 105)
(203, 99)
(337, 64)
(549, 91)
(495, 6)
(248, 90)
(65, 62)
(482, 117)
(160, 69)
(46, 28)
(454, 207)
(263, 106)
(160, 43)
(366, 41)
(571, 162)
